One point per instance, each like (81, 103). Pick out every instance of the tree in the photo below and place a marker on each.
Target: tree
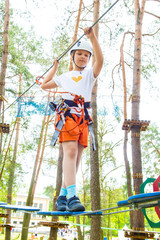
(4, 61)
(127, 166)
(24, 48)
(35, 174)
(16, 64)
(95, 183)
(12, 170)
(138, 218)
(53, 231)
(76, 30)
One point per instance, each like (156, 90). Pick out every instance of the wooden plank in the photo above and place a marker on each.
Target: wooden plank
(128, 124)
(2, 215)
(54, 224)
(66, 213)
(6, 225)
(4, 127)
(139, 234)
(139, 231)
(20, 208)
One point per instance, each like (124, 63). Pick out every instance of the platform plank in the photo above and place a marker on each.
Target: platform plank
(139, 234)
(20, 208)
(3, 215)
(65, 213)
(53, 224)
(6, 225)
(144, 197)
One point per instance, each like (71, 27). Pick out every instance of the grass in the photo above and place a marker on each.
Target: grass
(16, 236)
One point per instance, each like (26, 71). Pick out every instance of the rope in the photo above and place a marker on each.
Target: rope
(62, 55)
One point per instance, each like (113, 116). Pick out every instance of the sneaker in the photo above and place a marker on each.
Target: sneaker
(74, 205)
(61, 203)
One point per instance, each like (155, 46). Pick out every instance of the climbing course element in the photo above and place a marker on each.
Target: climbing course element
(157, 203)
(59, 213)
(4, 128)
(139, 201)
(156, 189)
(128, 124)
(139, 234)
(19, 208)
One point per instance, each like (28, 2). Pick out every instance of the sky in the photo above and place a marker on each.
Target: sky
(46, 17)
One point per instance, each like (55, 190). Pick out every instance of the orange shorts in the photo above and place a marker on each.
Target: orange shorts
(79, 133)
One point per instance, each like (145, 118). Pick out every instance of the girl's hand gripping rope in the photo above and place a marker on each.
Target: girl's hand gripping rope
(48, 82)
(88, 31)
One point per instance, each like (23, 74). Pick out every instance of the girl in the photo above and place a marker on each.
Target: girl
(78, 82)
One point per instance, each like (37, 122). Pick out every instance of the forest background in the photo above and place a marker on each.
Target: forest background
(42, 30)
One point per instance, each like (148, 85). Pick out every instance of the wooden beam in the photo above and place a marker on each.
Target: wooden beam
(128, 124)
(139, 234)
(7, 225)
(2, 215)
(53, 224)
(4, 127)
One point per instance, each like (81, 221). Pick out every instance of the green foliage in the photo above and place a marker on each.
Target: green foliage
(151, 151)
(60, 44)
(49, 192)
(107, 160)
(24, 49)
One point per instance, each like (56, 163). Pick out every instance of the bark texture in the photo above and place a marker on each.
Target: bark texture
(95, 183)
(138, 218)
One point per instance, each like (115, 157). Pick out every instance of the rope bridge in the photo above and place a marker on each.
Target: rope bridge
(135, 202)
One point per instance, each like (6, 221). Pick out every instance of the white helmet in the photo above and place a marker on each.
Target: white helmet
(82, 45)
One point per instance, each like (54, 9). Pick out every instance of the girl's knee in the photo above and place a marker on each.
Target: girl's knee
(72, 153)
(71, 150)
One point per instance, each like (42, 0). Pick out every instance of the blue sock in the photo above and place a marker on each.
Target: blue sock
(63, 192)
(71, 191)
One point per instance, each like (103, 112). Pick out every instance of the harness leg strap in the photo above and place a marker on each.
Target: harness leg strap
(92, 135)
(56, 133)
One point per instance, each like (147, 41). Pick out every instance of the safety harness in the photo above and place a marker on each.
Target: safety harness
(62, 109)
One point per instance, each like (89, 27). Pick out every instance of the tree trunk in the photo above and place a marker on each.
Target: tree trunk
(79, 231)
(76, 30)
(128, 173)
(35, 174)
(138, 218)
(5, 156)
(95, 184)
(11, 179)
(84, 201)
(109, 217)
(127, 167)
(53, 231)
(4, 61)
(12, 170)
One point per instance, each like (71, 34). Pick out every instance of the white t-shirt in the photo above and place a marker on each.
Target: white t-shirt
(76, 82)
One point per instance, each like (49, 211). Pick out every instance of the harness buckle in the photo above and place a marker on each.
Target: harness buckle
(90, 122)
(59, 106)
